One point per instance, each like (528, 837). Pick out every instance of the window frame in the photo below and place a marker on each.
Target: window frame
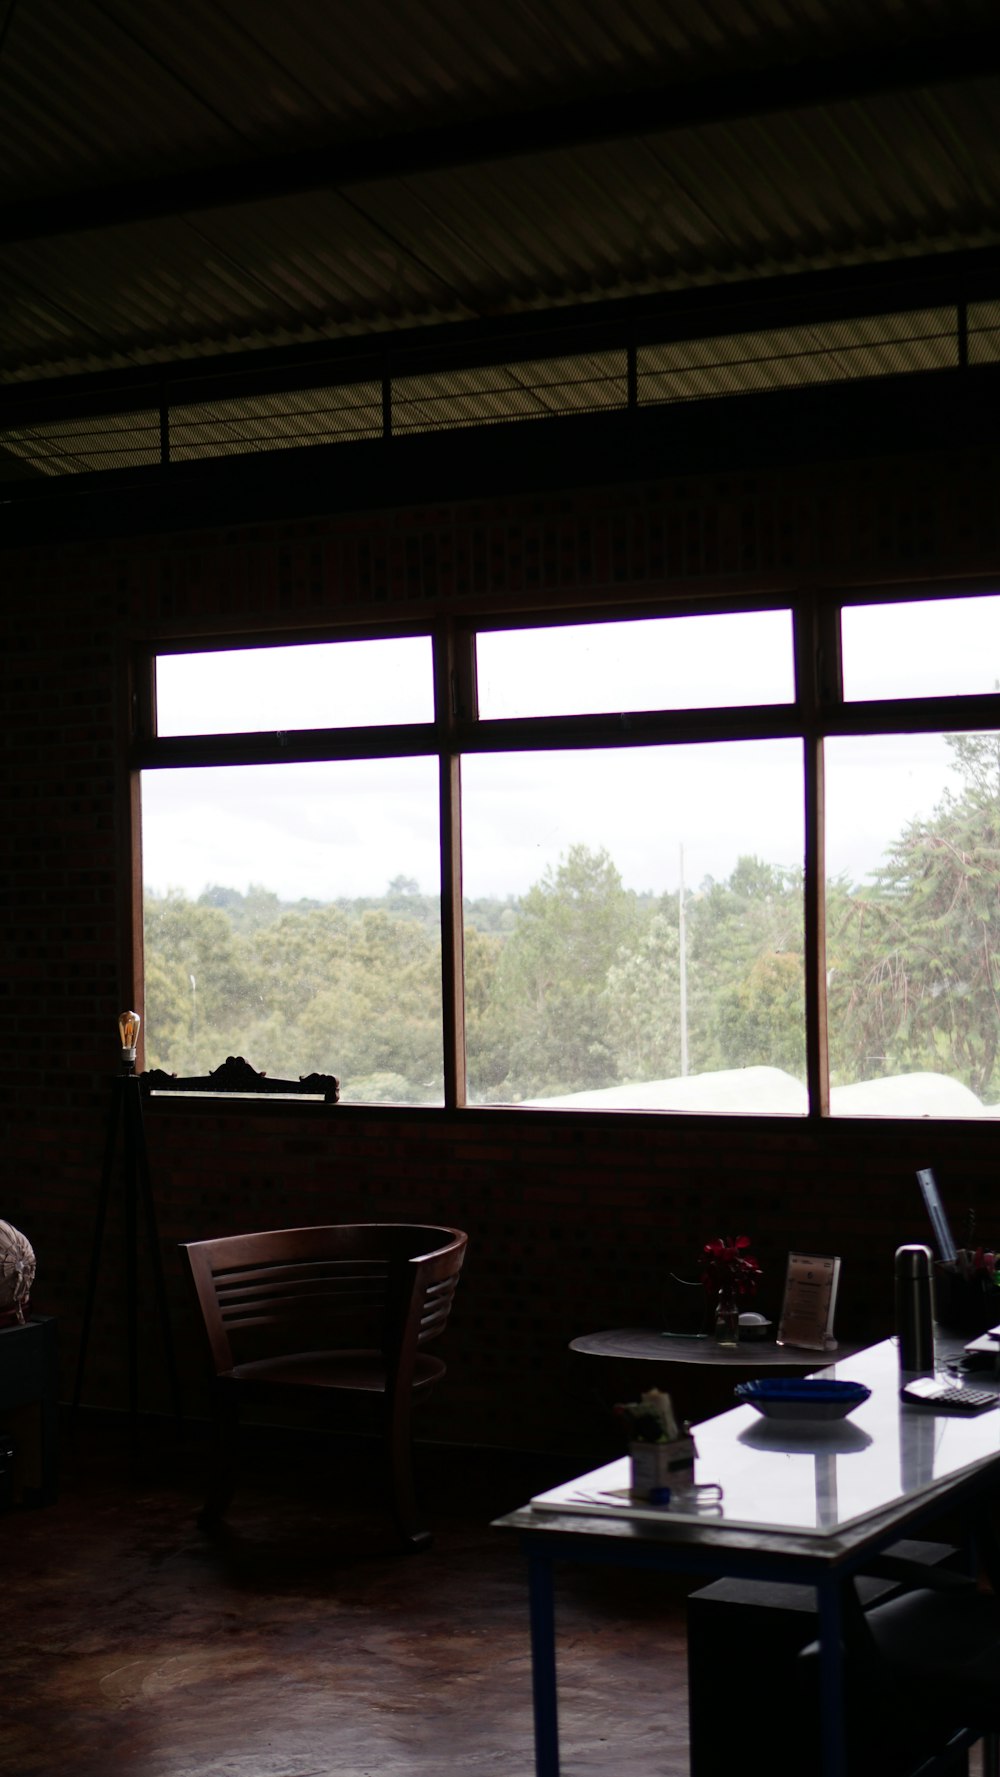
(817, 710)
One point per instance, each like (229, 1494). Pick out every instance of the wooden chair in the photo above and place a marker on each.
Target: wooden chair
(330, 1317)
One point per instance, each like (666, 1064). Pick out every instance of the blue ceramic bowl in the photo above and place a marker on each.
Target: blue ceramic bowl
(802, 1397)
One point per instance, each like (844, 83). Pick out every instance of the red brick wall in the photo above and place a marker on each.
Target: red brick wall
(575, 1223)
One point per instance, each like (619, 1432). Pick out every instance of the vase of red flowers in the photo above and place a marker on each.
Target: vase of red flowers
(729, 1275)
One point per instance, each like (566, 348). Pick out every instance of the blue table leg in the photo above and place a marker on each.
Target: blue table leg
(543, 1665)
(831, 1679)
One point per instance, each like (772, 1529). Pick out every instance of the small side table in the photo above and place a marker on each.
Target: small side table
(29, 1383)
(712, 1370)
(749, 1356)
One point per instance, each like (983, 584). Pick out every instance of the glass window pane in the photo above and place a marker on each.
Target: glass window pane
(913, 928)
(321, 685)
(591, 980)
(654, 664)
(292, 916)
(922, 648)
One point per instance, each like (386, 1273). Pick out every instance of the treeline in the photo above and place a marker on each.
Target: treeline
(577, 984)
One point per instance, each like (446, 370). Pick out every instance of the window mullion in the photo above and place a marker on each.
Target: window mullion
(138, 718)
(817, 1044)
(818, 690)
(452, 933)
(452, 651)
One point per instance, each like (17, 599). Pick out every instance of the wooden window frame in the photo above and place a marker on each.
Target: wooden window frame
(817, 712)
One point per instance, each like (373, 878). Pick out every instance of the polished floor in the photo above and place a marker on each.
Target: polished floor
(299, 1643)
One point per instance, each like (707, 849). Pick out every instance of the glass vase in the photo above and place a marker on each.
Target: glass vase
(727, 1320)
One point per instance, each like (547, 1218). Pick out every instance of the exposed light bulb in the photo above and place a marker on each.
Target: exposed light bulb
(128, 1030)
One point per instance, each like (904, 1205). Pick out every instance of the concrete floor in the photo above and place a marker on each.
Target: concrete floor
(299, 1643)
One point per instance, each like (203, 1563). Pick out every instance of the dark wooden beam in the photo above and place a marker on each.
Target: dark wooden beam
(837, 422)
(15, 468)
(599, 117)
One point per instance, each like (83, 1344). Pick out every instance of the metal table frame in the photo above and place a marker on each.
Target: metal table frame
(719, 1551)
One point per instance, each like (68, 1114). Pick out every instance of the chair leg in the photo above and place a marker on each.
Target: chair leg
(400, 1454)
(222, 1475)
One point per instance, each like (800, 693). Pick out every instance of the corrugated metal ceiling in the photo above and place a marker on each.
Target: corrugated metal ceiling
(107, 89)
(180, 182)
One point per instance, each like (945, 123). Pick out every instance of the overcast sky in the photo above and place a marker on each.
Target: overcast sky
(325, 830)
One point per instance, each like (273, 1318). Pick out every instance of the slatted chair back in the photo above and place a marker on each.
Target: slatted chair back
(384, 1287)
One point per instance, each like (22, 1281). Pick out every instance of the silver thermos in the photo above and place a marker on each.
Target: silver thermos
(915, 1310)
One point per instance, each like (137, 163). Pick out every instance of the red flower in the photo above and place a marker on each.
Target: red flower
(728, 1268)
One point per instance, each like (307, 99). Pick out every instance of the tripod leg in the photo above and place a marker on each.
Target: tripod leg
(153, 1241)
(131, 1254)
(95, 1255)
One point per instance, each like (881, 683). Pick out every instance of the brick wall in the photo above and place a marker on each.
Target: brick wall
(575, 1223)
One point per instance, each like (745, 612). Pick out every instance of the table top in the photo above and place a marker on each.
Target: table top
(818, 1491)
(750, 1355)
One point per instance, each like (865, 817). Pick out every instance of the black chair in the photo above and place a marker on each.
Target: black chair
(331, 1318)
(765, 1625)
(922, 1669)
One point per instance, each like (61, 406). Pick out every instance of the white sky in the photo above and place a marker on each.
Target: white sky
(323, 830)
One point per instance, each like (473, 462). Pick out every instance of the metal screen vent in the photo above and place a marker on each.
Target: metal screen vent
(984, 332)
(438, 399)
(792, 357)
(84, 445)
(492, 394)
(291, 420)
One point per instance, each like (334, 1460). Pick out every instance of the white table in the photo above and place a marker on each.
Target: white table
(805, 1504)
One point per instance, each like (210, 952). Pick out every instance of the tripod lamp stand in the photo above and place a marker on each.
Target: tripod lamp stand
(126, 1112)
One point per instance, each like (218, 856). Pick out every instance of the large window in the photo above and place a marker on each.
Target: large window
(565, 863)
(605, 989)
(913, 862)
(284, 922)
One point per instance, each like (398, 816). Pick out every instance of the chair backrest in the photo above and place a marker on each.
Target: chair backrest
(351, 1286)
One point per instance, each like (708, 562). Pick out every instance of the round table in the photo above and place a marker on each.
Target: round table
(750, 1355)
(698, 1374)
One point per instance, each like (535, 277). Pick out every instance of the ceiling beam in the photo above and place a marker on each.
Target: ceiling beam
(886, 417)
(654, 110)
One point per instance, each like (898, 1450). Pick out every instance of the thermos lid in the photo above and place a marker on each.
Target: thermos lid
(913, 1261)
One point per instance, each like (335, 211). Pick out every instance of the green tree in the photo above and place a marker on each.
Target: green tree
(297, 957)
(202, 988)
(746, 990)
(485, 1040)
(914, 961)
(315, 989)
(761, 1019)
(380, 1014)
(644, 1002)
(259, 907)
(551, 995)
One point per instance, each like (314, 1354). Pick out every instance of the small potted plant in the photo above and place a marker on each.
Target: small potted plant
(662, 1452)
